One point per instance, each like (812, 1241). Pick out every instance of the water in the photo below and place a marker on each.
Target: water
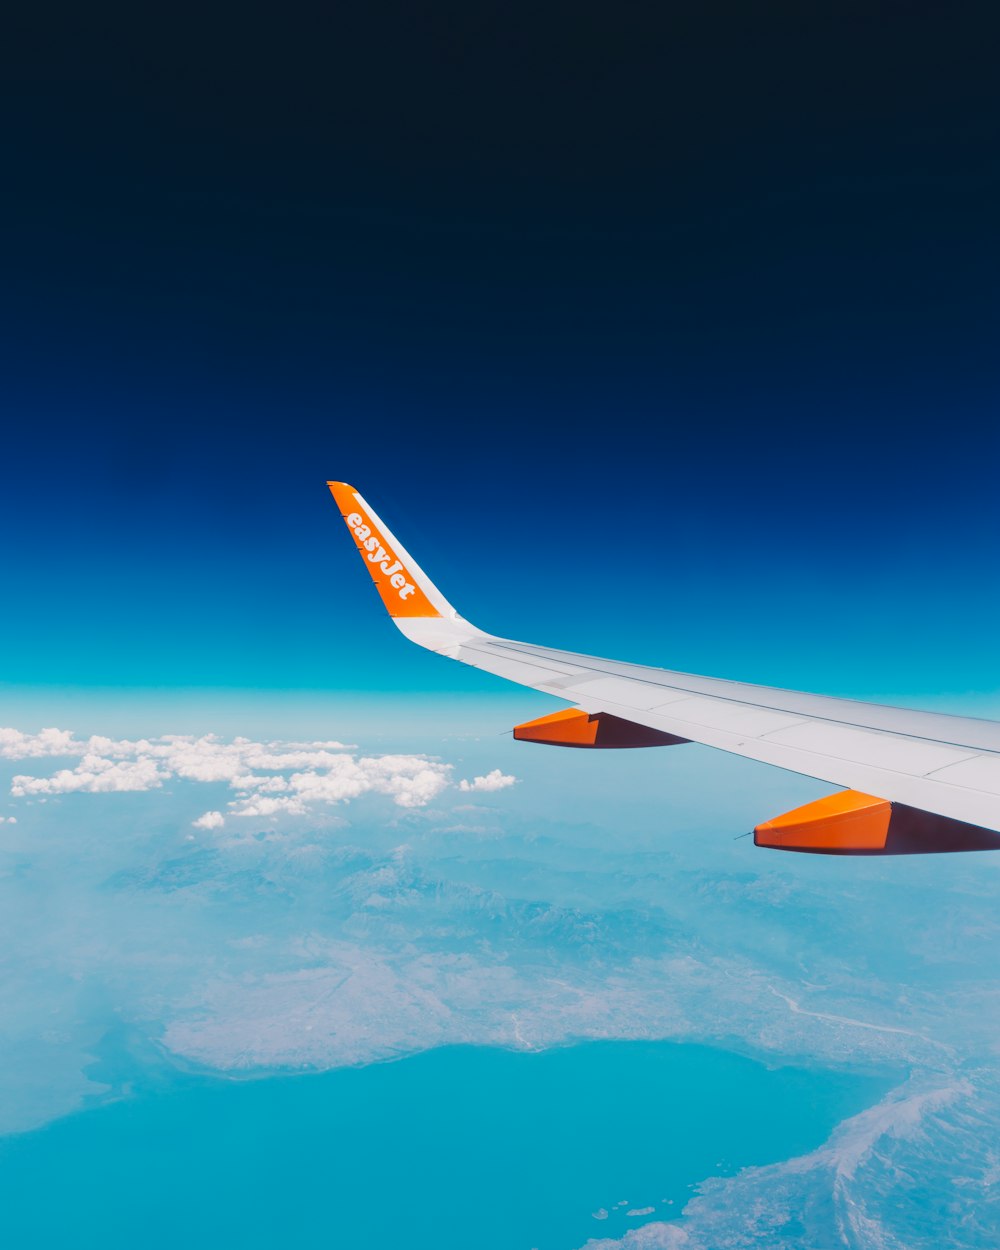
(455, 1148)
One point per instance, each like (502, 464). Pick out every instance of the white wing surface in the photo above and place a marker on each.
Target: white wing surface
(917, 780)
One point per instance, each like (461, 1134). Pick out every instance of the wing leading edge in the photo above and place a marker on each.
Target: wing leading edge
(917, 781)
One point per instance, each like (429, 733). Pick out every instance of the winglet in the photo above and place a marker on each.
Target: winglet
(404, 587)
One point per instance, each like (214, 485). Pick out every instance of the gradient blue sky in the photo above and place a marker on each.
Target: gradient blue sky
(671, 338)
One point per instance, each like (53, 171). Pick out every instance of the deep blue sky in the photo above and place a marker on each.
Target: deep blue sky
(672, 338)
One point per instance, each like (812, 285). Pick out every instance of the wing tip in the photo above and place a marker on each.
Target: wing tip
(402, 585)
(344, 496)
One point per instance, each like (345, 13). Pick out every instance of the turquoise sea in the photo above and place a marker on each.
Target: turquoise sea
(454, 1148)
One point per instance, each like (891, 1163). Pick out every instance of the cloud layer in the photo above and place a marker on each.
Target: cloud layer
(268, 779)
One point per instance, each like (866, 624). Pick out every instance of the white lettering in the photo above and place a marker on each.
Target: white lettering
(377, 554)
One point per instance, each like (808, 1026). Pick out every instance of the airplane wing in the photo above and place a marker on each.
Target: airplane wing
(916, 781)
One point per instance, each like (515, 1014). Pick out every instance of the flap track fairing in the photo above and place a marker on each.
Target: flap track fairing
(852, 823)
(574, 728)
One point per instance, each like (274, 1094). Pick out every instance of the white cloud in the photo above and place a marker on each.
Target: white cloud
(94, 775)
(264, 806)
(268, 778)
(410, 780)
(15, 745)
(210, 820)
(494, 780)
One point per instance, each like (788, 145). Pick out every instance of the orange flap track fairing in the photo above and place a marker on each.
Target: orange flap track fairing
(851, 823)
(573, 728)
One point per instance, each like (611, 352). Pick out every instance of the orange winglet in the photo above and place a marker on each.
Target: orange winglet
(573, 728)
(848, 823)
(386, 562)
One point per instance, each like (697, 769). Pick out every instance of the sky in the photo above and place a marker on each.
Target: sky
(663, 333)
(680, 323)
